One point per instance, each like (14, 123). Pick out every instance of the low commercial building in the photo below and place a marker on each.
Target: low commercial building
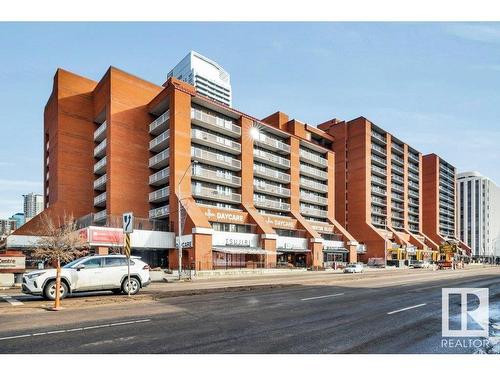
(253, 192)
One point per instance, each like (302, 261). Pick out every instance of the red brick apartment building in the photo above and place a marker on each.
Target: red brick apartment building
(383, 193)
(254, 192)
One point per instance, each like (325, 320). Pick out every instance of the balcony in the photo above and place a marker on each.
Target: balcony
(214, 141)
(272, 144)
(308, 211)
(212, 158)
(219, 177)
(397, 147)
(413, 193)
(160, 177)
(378, 149)
(160, 195)
(379, 181)
(379, 137)
(313, 185)
(381, 162)
(398, 169)
(100, 200)
(396, 187)
(313, 172)
(214, 194)
(313, 198)
(263, 171)
(100, 183)
(160, 160)
(159, 125)
(413, 167)
(271, 189)
(413, 176)
(413, 185)
(271, 159)
(100, 166)
(378, 191)
(378, 212)
(379, 171)
(100, 149)
(100, 216)
(215, 123)
(398, 159)
(413, 157)
(159, 213)
(397, 215)
(397, 207)
(398, 178)
(379, 201)
(413, 202)
(271, 204)
(413, 220)
(100, 132)
(161, 142)
(313, 159)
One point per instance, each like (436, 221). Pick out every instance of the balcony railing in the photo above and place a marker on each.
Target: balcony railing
(379, 137)
(397, 197)
(262, 171)
(212, 140)
(159, 213)
(272, 189)
(397, 169)
(413, 176)
(160, 177)
(414, 157)
(215, 123)
(271, 204)
(378, 190)
(379, 201)
(100, 183)
(396, 177)
(271, 159)
(308, 211)
(160, 160)
(398, 159)
(213, 158)
(397, 188)
(272, 143)
(413, 193)
(413, 167)
(100, 200)
(101, 215)
(204, 174)
(100, 149)
(379, 160)
(313, 198)
(159, 195)
(313, 185)
(397, 147)
(378, 170)
(313, 172)
(379, 181)
(313, 158)
(413, 184)
(378, 149)
(100, 132)
(219, 195)
(161, 142)
(160, 124)
(100, 166)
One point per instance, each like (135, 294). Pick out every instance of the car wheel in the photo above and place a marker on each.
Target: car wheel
(135, 285)
(50, 290)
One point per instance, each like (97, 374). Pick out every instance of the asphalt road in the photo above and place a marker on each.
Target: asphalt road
(389, 313)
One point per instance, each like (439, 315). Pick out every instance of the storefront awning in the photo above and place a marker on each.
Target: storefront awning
(285, 250)
(241, 250)
(342, 250)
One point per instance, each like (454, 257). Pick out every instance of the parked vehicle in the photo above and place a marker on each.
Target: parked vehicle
(92, 273)
(353, 268)
(417, 264)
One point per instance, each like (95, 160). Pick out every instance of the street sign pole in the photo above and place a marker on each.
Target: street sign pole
(128, 227)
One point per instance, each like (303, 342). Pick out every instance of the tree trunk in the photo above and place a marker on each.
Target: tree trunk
(57, 301)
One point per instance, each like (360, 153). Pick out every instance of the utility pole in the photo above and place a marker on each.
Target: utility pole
(385, 243)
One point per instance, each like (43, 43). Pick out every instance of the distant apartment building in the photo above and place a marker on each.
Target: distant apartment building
(478, 214)
(209, 78)
(19, 219)
(439, 207)
(7, 226)
(33, 205)
(379, 191)
(254, 192)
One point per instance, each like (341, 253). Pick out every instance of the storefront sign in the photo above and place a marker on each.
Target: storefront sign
(12, 263)
(332, 245)
(111, 237)
(322, 228)
(187, 241)
(284, 242)
(233, 217)
(281, 222)
(235, 239)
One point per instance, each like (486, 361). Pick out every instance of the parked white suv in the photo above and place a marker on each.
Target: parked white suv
(92, 273)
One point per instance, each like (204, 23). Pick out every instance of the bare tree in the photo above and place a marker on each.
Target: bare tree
(60, 243)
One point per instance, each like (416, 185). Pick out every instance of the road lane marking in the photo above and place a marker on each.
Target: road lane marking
(319, 297)
(74, 329)
(406, 308)
(12, 301)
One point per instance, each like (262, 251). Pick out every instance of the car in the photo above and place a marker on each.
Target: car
(417, 264)
(91, 273)
(353, 268)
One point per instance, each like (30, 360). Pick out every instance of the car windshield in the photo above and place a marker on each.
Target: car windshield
(72, 263)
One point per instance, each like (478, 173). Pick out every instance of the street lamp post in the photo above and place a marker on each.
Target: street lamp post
(179, 223)
(385, 243)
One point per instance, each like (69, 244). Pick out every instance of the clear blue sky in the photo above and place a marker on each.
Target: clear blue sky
(434, 85)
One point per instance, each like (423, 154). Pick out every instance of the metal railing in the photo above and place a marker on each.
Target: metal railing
(379, 137)
(100, 132)
(262, 171)
(314, 172)
(271, 204)
(160, 159)
(376, 189)
(379, 170)
(270, 158)
(100, 166)
(156, 125)
(219, 177)
(159, 195)
(397, 147)
(378, 159)
(217, 122)
(160, 176)
(100, 149)
(116, 221)
(101, 215)
(271, 189)
(160, 141)
(313, 185)
(160, 212)
(100, 182)
(379, 148)
(209, 156)
(313, 158)
(272, 142)
(313, 212)
(313, 198)
(101, 198)
(216, 141)
(207, 192)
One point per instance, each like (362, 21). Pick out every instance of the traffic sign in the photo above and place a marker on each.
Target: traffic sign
(128, 222)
